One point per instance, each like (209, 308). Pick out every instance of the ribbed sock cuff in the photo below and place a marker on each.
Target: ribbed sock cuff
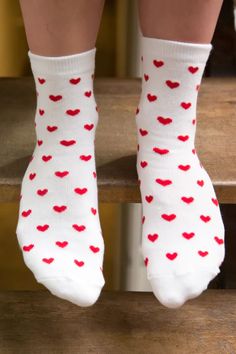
(68, 64)
(175, 50)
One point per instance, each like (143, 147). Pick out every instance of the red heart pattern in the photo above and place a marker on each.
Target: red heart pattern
(151, 98)
(62, 244)
(61, 174)
(172, 84)
(28, 248)
(75, 81)
(55, 98)
(58, 226)
(73, 112)
(179, 206)
(164, 120)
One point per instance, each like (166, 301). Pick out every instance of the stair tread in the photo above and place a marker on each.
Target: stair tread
(116, 136)
(120, 322)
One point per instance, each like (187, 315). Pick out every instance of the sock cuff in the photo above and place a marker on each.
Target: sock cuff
(176, 50)
(67, 64)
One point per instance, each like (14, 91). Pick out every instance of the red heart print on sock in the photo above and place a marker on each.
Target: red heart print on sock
(55, 98)
(160, 151)
(185, 105)
(42, 192)
(168, 217)
(73, 112)
(205, 218)
(143, 132)
(94, 211)
(88, 126)
(61, 174)
(81, 191)
(172, 84)
(32, 176)
(163, 182)
(42, 228)
(62, 244)
(48, 260)
(39, 142)
(51, 128)
(146, 261)
(41, 112)
(67, 142)
(59, 209)
(187, 200)
(149, 198)
(75, 81)
(88, 93)
(143, 164)
(79, 228)
(215, 201)
(26, 213)
(220, 241)
(164, 121)
(85, 157)
(183, 137)
(151, 98)
(152, 237)
(171, 256)
(158, 63)
(184, 167)
(46, 158)
(188, 235)
(94, 249)
(41, 81)
(79, 263)
(203, 253)
(193, 69)
(143, 220)
(200, 183)
(28, 248)
(146, 77)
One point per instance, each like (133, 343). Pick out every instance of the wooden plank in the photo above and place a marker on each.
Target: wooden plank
(116, 136)
(227, 278)
(119, 323)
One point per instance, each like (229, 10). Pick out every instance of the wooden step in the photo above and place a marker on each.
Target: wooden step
(116, 136)
(119, 323)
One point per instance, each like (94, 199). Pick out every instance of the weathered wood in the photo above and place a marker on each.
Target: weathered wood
(116, 136)
(119, 323)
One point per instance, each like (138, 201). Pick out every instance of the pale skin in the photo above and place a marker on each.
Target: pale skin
(59, 27)
(179, 20)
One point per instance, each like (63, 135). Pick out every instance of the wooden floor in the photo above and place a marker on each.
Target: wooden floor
(119, 323)
(116, 136)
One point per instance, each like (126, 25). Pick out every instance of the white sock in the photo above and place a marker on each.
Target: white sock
(183, 232)
(58, 227)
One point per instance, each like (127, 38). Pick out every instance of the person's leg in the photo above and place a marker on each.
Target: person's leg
(58, 226)
(182, 20)
(183, 232)
(57, 27)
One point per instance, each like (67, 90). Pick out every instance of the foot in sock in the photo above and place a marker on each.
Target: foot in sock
(183, 232)
(58, 226)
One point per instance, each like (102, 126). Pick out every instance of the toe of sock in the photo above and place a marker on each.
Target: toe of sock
(173, 292)
(169, 296)
(78, 293)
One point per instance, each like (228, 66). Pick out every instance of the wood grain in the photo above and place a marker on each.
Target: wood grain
(116, 136)
(119, 323)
